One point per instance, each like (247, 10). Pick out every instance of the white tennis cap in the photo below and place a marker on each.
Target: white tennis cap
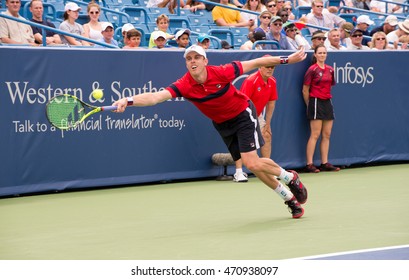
(127, 27)
(181, 32)
(71, 6)
(105, 25)
(364, 19)
(195, 48)
(158, 34)
(392, 20)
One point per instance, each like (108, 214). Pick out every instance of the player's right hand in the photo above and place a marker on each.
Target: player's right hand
(298, 56)
(121, 104)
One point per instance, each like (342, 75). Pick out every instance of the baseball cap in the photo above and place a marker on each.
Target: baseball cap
(202, 37)
(288, 25)
(158, 34)
(181, 32)
(226, 45)
(127, 27)
(355, 30)
(259, 34)
(318, 34)
(364, 19)
(71, 6)
(392, 20)
(276, 18)
(105, 25)
(195, 48)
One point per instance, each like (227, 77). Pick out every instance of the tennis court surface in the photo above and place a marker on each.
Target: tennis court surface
(356, 209)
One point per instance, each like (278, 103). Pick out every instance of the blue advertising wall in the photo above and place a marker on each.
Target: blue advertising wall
(173, 140)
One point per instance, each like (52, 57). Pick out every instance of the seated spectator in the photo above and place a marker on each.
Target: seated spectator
(403, 29)
(334, 41)
(125, 28)
(160, 39)
(193, 6)
(362, 23)
(383, 7)
(379, 41)
(356, 40)
(255, 6)
(133, 39)
(344, 34)
(69, 25)
(283, 14)
(204, 41)
(228, 17)
(93, 28)
(107, 35)
(254, 36)
(162, 23)
(279, 4)
(182, 38)
(318, 18)
(404, 41)
(170, 4)
(294, 37)
(318, 38)
(271, 6)
(37, 10)
(275, 34)
(265, 18)
(388, 25)
(289, 8)
(13, 32)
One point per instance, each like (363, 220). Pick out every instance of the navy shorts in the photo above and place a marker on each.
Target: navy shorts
(320, 109)
(242, 133)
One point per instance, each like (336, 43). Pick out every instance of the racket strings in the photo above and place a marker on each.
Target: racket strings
(65, 111)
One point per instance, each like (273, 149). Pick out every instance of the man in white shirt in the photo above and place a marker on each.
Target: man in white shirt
(356, 40)
(317, 17)
(403, 29)
(334, 41)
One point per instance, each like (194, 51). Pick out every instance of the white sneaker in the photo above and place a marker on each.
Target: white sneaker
(240, 177)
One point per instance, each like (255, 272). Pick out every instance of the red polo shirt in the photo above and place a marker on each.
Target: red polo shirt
(217, 98)
(258, 91)
(320, 81)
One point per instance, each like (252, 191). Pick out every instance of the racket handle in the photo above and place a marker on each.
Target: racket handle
(108, 108)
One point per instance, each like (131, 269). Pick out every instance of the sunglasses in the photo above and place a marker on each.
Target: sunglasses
(94, 13)
(291, 30)
(356, 35)
(283, 15)
(270, 6)
(288, 9)
(266, 17)
(380, 38)
(278, 24)
(320, 39)
(319, 6)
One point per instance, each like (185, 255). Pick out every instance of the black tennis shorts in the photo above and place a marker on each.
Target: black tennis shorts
(242, 133)
(320, 109)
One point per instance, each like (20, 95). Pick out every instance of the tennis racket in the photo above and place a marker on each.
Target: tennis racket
(67, 111)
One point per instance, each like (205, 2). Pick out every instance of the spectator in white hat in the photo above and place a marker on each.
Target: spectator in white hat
(362, 23)
(160, 39)
(124, 30)
(182, 38)
(69, 25)
(107, 34)
(388, 25)
(403, 29)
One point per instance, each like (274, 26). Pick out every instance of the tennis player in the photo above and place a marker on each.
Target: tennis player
(234, 116)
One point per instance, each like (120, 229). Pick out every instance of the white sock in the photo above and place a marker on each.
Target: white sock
(286, 176)
(283, 192)
(239, 170)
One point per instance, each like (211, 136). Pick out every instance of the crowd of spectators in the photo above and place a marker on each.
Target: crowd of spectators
(282, 27)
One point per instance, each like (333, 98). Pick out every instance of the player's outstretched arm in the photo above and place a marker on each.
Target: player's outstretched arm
(142, 100)
(295, 57)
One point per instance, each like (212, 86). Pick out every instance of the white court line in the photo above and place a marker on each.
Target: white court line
(351, 252)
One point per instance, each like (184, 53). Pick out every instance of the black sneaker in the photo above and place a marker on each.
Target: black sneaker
(295, 208)
(328, 167)
(310, 168)
(297, 188)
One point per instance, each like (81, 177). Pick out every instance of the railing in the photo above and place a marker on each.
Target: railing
(43, 28)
